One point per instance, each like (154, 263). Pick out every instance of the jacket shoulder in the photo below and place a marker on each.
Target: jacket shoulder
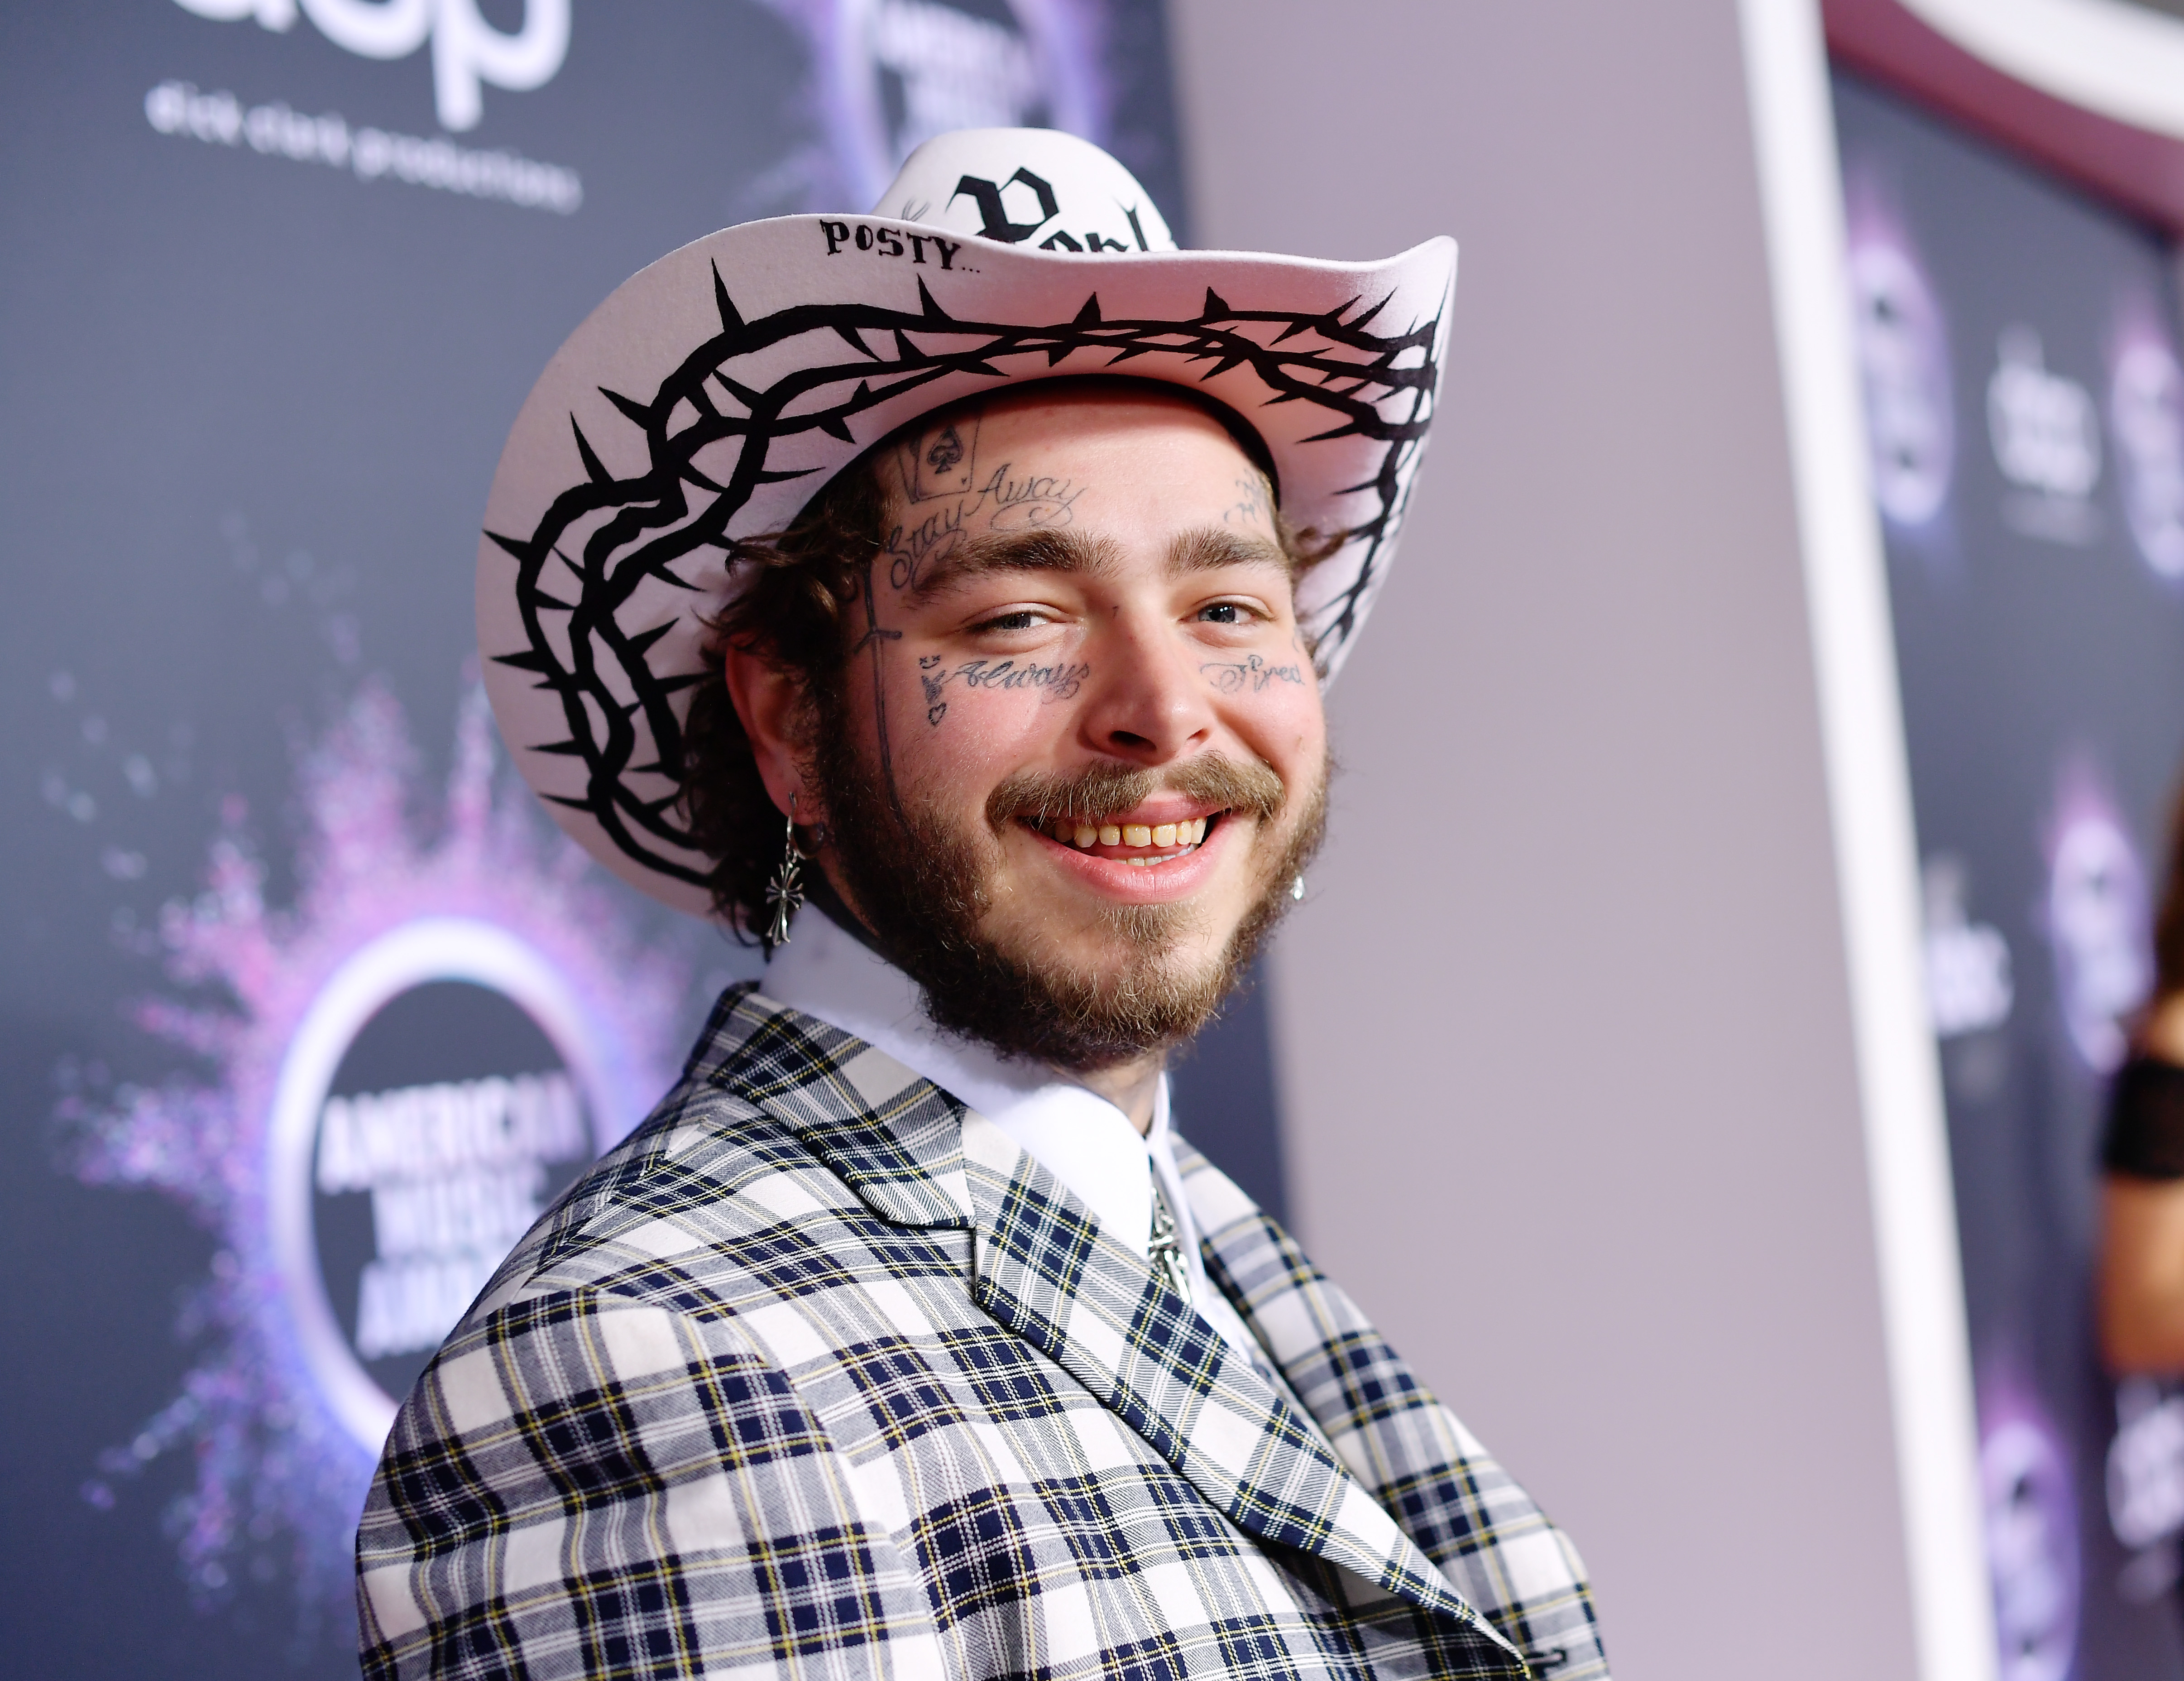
(568, 1454)
(712, 1203)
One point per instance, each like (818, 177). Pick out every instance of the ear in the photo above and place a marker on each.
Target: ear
(769, 700)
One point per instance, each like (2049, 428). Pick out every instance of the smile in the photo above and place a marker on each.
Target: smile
(1141, 844)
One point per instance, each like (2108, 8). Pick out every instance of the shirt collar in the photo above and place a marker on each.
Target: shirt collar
(1080, 1137)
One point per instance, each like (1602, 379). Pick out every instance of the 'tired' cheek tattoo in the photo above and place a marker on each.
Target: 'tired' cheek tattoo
(1251, 673)
(1058, 682)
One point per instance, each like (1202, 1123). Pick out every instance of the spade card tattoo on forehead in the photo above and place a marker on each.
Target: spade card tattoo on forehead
(941, 461)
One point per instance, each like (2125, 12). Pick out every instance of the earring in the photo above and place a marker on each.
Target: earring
(785, 892)
(1296, 887)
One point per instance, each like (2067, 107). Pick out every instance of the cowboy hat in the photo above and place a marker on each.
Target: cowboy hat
(715, 392)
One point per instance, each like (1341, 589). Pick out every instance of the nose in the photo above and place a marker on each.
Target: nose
(1147, 701)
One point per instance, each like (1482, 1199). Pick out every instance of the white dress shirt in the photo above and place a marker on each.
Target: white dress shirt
(1080, 1137)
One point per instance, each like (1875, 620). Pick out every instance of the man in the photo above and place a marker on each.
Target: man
(982, 591)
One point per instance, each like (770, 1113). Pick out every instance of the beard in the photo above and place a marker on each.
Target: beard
(924, 886)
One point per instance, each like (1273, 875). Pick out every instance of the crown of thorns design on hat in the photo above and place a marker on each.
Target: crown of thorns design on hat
(710, 442)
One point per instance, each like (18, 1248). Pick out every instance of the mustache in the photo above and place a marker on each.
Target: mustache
(1103, 788)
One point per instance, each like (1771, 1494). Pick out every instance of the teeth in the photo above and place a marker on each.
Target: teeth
(1159, 837)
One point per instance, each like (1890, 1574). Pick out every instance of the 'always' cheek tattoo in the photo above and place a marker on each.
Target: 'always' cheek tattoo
(1058, 682)
(1252, 673)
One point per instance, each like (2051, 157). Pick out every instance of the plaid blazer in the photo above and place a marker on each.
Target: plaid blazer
(818, 1376)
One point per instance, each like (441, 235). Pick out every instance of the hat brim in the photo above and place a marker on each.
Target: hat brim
(716, 391)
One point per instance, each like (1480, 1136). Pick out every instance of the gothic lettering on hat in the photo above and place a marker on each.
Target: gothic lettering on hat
(884, 240)
(994, 214)
(1095, 242)
(888, 242)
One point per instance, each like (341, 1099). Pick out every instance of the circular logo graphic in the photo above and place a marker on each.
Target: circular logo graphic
(1903, 358)
(441, 1091)
(426, 1041)
(452, 1123)
(2146, 411)
(2098, 916)
(2032, 1550)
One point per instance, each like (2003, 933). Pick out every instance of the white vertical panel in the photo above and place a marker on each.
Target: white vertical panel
(1869, 800)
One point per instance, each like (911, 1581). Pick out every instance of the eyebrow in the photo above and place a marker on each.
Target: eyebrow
(1210, 548)
(1045, 550)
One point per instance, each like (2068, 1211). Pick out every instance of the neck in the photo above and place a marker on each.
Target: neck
(820, 890)
(1129, 1087)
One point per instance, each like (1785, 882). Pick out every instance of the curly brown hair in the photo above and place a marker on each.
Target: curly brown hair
(794, 613)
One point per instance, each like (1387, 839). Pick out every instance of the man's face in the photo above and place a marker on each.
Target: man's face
(1081, 744)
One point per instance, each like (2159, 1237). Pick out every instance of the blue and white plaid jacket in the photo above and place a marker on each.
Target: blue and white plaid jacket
(818, 1376)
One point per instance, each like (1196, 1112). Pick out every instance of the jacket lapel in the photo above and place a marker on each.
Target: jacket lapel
(1459, 1507)
(1043, 1269)
(1046, 1270)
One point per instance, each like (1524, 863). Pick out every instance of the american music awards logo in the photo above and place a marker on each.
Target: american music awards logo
(410, 1061)
(2146, 418)
(1903, 362)
(2145, 1485)
(2097, 912)
(2032, 1541)
(442, 1086)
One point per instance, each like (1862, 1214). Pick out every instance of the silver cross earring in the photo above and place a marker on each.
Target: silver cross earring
(785, 891)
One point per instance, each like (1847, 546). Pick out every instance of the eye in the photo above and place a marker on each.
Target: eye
(1224, 612)
(1019, 618)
